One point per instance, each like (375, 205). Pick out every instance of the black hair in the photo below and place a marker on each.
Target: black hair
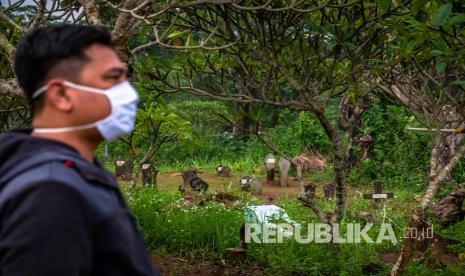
(43, 50)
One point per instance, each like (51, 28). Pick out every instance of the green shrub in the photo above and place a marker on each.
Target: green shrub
(398, 157)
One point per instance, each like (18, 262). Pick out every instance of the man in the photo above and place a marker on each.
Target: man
(61, 213)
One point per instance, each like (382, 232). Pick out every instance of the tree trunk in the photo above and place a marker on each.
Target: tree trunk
(418, 217)
(341, 181)
(242, 122)
(339, 160)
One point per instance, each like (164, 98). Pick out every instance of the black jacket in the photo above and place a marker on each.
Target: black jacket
(63, 215)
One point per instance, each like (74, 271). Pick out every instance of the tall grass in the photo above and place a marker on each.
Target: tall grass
(173, 227)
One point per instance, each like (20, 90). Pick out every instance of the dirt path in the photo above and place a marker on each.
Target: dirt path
(271, 191)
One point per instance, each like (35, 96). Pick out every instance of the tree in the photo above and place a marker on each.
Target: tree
(314, 50)
(156, 126)
(422, 69)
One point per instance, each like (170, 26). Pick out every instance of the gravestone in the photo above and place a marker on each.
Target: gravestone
(224, 171)
(378, 194)
(255, 186)
(365, 143)
(188, 175)
(284, 166)
(309, 190)
(119, 167)
(123, 169)
(270, 163)
(298, 169)
(196, 183)
(329, 190)
(245, 183)
(127, 175)
(149, 175)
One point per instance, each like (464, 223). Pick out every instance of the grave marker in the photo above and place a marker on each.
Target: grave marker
(123, 169)
(378, 194)
(255, 186)
(196, 183)
(245, 183)
(223, 171)
(270, 163)
(329, 190)
(284, 166)
(149, 175)
(119, 167)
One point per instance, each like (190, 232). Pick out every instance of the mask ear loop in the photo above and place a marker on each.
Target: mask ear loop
(84, 88)
(39, 91)
(73, 128)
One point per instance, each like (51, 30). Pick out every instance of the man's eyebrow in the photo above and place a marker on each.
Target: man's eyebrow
(118, 70)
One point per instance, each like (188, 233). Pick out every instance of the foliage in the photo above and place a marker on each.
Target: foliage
(287, 72)
(222, 148)
(297, 131)
(292, 134)
(398, 157)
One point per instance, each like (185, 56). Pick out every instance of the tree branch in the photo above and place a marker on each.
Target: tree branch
(91, 11)
(11, 88)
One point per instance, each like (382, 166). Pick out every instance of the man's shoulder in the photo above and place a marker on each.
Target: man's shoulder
(98, 198)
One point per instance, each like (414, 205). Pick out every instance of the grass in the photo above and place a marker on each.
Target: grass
(245, 165)
(172, 227)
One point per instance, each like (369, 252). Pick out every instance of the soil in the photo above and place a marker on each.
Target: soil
(271, 190)
(180, 266)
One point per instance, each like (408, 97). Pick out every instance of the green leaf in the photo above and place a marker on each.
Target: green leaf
(189, 40)
(177, 34)
(456, 19)
(459, 82)
(384, 4)
(391, 49)
(442, 14)
(436, 52)
(441, 66)
(440, 44)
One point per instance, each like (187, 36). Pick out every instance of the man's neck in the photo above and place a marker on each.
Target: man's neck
(85, 148)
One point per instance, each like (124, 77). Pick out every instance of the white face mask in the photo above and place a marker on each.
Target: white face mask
(123, 99)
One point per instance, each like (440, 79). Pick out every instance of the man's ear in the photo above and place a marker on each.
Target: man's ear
(59, 97)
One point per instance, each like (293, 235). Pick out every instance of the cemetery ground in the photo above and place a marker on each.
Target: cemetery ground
(188, 235)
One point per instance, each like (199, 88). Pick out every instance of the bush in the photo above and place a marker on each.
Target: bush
(297, 131)
(398, 157)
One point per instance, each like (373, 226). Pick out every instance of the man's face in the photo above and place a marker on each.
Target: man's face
(103, 71)
(79, 107)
